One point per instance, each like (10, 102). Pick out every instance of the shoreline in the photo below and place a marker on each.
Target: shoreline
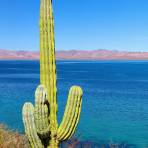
(9, 138)
(100, 54)
(83, 60)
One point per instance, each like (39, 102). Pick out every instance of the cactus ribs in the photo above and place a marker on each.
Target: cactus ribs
(40, 121)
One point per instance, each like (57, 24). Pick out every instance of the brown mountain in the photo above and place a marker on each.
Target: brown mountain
(78, 54)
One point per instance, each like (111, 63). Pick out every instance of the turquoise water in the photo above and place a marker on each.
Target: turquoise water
(115, 101)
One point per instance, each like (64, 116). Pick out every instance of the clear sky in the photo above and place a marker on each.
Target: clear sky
(79, 24)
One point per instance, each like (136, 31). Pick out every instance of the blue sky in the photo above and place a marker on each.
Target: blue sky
(79, 24)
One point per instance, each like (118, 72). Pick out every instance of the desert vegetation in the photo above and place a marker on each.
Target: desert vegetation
(11, 139)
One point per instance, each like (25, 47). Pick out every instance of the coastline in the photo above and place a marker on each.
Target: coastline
(75, 55)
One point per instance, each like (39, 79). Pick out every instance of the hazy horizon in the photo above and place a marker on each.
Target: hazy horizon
(79, 24)
(116, 50)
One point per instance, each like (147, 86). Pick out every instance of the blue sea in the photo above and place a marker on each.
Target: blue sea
(115, 101)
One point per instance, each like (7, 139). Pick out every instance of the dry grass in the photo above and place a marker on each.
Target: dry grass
(11, 139)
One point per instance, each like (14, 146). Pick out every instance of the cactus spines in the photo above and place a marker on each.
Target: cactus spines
(47, 62)
(41, 111)
(41, 120)
(71, 114)
(30, 128)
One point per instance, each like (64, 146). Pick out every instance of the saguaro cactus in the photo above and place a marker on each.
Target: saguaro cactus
(40, 121)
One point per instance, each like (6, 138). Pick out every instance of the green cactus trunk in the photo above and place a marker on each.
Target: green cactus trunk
(40, 121)
(47, 61)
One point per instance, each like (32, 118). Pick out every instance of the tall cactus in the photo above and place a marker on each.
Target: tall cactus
(40, 121)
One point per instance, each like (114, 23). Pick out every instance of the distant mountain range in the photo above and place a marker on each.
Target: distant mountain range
(77, 55)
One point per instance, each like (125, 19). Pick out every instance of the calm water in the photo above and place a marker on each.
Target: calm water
(115, 101)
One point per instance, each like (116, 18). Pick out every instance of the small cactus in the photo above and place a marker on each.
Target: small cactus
(40, 120)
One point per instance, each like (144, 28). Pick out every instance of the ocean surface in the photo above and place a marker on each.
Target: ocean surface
(115, 101)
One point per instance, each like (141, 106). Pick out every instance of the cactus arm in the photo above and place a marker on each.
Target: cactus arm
(78, 117)
(30, 129)
(71, 128)
(71, 114)
(41, 111)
